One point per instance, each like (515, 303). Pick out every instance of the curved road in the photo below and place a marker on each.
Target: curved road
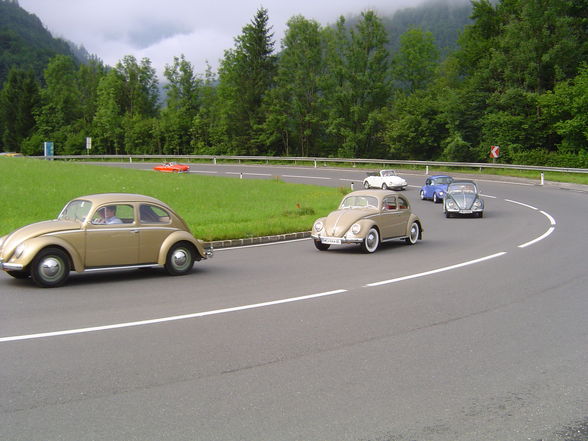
(478, 332)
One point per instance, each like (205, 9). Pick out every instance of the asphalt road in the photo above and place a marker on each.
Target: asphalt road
(478, 332)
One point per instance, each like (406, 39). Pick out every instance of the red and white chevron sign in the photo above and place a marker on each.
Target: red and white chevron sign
(494, 151)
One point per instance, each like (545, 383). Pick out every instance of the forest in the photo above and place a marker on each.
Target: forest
(517, 77)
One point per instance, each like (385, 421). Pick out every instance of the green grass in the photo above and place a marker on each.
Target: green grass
(215, 208)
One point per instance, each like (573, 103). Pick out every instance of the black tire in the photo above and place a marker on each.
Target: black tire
(321, 246)
(19, 274)
(366, 185)
(447, 214)
(384, 186)
(371, 242)
(50, 267)
(180, 259)
(422, 195)
(481, 214)
(436, 199)
(413, 234)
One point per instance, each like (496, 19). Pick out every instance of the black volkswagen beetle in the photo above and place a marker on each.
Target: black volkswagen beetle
(462, 198)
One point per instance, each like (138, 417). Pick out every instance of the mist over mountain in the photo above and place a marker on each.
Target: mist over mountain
(27, 44)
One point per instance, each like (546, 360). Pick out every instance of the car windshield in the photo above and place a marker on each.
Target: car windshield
(462, 188)
(442, 181)
(359, 202)
(76, 210)
(388, 173)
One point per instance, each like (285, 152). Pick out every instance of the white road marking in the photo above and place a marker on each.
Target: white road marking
(543, 236)
(551, 219)
(307, 177)
(169, 319)
(436, 271)
(520, 203)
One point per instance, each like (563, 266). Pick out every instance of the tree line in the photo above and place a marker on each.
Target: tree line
(518, 79)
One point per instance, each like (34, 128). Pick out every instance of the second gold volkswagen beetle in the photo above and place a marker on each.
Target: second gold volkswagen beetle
(368, 218)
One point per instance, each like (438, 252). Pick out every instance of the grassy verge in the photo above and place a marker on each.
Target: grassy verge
(215, 208)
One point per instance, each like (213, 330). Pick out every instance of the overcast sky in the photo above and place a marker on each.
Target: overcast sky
(201, 30)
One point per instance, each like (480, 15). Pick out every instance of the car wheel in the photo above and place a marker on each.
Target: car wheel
(366, 185)
(50, 267)
(422, 195)
(371, 241)
(18, 274)
(481, 214)
(413, 234)
(180, 259)
(384, 186)
(321, 246)
(435, 198)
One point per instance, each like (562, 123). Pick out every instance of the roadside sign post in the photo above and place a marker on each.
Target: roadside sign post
(494, 152)
(48, 149)
(88, 144)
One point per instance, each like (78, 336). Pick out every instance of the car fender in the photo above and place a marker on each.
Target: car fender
(411, 219)
(366, 224)
(180, 236)
(36, 244)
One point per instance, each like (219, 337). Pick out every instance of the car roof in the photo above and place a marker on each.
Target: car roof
(463, 181)
(439, 176)
(104, 198)
(380, 194)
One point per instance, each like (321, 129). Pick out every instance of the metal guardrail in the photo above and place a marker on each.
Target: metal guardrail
(316, 161)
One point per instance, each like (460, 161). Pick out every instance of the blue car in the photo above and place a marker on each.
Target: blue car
(435, 187)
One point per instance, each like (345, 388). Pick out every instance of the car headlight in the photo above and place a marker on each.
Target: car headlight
(18, 251)
(441, 193)
(318, 226)
(355, 228)
(477, 204)
(451, 204)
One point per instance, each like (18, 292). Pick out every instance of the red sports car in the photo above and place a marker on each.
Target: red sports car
(172, 167)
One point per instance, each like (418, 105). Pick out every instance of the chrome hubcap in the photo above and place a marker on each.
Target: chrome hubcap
(180, 258)
(51, 268)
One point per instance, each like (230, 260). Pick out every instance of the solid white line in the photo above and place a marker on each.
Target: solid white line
(551, 219)
(169, 319)
(306, 177)
(543, 236)
(439, 270)
(520, 203)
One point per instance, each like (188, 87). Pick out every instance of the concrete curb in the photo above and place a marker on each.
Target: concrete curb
(217, 244)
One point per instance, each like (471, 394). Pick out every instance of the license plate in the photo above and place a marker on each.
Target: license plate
(331, 240)
(466, 211)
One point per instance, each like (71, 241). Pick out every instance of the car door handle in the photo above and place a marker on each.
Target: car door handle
(134, 231)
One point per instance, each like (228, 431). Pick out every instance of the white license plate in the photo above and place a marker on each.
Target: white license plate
(331, 240)
(466, 211)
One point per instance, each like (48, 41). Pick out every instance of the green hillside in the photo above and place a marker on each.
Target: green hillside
(24, 41)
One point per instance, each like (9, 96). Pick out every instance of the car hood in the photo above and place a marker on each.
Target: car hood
(37, 229)
(463, 200)
(338, 222)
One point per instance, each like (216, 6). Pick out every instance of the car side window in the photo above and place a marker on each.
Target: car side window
(389, 203)
(151, 214)
(113, 214)
(402, 203)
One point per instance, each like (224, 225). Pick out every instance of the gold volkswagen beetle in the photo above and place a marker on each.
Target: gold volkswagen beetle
(368, 218)
(102, 232)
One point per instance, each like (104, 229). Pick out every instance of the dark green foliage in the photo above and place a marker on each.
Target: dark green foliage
(24, 41)
(402, 87)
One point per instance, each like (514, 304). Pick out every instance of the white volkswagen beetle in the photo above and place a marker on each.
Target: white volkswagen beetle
(384, 179)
